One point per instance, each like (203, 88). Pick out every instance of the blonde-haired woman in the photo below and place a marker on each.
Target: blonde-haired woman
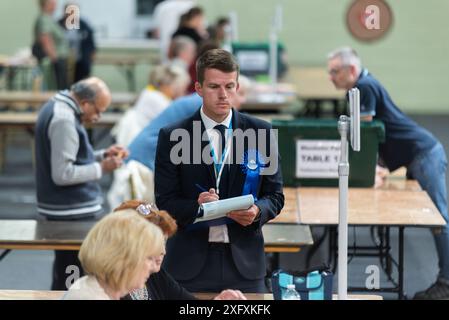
(118, 255)
(161, 285)
(166, 82)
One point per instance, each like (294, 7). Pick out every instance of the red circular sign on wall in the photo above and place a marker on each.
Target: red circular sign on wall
(369, 20)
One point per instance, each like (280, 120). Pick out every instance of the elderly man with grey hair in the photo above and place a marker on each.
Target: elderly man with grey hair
(67, 167)
(406, 144)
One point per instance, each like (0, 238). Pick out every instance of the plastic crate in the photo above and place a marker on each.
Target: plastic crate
(310, 152)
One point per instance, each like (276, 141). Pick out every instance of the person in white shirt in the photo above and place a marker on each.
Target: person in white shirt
(167, 82)
(166, 17)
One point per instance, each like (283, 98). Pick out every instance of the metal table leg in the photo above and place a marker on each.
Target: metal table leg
(4, 254)
(401, 294)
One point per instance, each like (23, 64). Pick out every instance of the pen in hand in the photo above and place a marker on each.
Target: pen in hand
(200, 211)
(206, 195)
(201, 188)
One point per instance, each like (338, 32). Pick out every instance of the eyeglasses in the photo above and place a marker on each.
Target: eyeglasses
(146, 209)
(335, 71)
(93, 104)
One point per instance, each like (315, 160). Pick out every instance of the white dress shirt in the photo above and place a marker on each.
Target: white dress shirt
(217, 233)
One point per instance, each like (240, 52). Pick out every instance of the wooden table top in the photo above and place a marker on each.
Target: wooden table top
(319, 206)
(286, 237)
(313, 83)
(131, 59)
(43, 234)
(397, 180)
(56, 295)
(399, 184)
(30, 295)
(264, 96)
(68, 235)
(269, 117)
(269, 296)
(17, 99)
(25, 119)
(290, 212)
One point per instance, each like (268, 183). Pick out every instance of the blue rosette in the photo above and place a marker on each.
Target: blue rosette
(252, 165)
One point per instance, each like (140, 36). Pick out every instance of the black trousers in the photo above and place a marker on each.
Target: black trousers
(220, 273)
(82, 70)
(61, 76)
(66, 266)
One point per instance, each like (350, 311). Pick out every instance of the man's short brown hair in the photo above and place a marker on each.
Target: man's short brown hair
(216, 59)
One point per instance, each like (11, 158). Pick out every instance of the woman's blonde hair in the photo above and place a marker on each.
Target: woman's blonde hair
(115, 249)
(169, 75)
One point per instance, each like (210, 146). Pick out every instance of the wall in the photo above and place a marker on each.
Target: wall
(412, 61)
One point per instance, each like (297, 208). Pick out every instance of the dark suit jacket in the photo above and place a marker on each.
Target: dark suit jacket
(176, 192)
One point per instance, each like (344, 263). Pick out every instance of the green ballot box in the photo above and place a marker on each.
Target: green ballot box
(310, 152)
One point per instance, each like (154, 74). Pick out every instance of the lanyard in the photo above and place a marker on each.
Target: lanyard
(218, 166)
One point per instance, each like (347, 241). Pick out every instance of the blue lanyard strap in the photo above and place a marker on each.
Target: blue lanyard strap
(218, 166)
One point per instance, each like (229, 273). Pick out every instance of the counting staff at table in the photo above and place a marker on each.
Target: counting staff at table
(67, 168)
(118, 256)
(407, 144)
(161, 285)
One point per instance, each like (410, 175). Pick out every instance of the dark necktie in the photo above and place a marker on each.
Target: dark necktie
(224, 176)
(222, 130)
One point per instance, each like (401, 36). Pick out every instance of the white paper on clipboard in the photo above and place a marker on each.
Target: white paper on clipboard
(219, 209)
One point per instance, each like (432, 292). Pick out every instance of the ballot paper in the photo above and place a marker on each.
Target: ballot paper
(219, 209)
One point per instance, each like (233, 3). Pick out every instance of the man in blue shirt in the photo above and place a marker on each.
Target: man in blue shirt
(407, 144)
(143, 147)
(144, 152)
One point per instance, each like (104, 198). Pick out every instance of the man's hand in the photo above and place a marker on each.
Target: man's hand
(208, 196)
(110, 164)
(230, 295)
(116, 151)
(381, 175)
(245, 217)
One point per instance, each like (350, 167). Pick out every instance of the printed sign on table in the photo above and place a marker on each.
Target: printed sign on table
(317, 158)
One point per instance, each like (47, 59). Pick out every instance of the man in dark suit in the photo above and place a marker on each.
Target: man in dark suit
(230, 252)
